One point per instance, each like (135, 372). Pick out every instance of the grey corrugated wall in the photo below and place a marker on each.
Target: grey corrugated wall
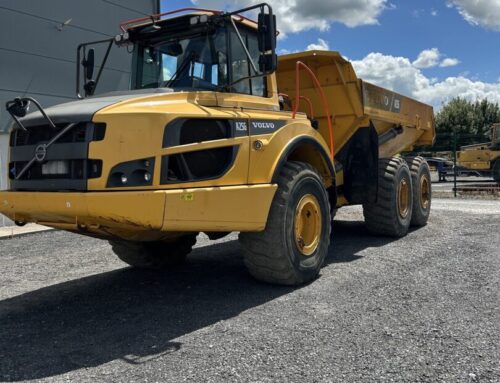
(38, 52)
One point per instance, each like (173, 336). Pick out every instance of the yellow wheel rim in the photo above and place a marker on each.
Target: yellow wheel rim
(425, 192)
(403, 198)
(307, 226)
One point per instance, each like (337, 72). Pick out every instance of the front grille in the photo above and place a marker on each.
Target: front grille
(76, 169)
(65, 166)
(35, 135)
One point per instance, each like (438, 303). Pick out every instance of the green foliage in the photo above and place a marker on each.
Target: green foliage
(470, 120)
(467, 117)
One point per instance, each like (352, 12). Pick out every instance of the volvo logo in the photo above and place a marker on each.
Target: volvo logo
(41, 152)
(263, 125)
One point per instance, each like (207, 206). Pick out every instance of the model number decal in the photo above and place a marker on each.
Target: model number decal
(241, 126)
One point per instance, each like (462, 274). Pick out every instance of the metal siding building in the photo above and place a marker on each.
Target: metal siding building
(38, 41)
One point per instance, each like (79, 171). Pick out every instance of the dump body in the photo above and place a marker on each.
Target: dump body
(355, 103)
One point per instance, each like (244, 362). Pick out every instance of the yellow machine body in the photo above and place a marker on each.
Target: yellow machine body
(240, 198)
(481, 156)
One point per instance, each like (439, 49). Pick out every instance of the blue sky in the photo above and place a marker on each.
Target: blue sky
(458, 41)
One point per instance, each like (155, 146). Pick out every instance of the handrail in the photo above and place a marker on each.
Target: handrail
(157, 16)
(124, 25)
(311, 108)
(298, 66)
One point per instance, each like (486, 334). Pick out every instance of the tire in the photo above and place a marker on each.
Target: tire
(391, 215)
(292, 248)
(495, 171)
(422, 190)
(156, 255)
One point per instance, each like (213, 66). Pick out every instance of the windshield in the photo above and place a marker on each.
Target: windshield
(195, 62)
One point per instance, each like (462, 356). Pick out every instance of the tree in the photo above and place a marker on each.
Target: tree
(470, 120)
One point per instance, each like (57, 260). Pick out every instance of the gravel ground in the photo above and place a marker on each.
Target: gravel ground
(425, 308)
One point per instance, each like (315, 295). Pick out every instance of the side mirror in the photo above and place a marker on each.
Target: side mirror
(88, 64)
(268, 62)
(18, 107)
(267, 32)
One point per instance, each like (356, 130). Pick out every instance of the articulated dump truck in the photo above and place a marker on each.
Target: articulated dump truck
(218, 135)
(483, 158)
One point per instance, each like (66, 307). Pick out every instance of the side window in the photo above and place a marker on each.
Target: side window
(241, 67)
(258, 83)
(197, 70)
(239, 64)
(169, 64)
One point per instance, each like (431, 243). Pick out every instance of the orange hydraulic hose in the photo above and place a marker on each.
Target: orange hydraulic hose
(298, 66)
(311, 109)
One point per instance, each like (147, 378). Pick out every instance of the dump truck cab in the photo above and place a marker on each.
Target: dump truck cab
(216, 136)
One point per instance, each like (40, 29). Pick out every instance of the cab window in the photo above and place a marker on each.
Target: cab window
(241, 67)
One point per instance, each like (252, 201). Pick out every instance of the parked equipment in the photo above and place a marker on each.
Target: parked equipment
(483, 158)
(217, 135)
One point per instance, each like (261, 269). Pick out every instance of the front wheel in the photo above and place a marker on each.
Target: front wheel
(294, 244)
(154, 255)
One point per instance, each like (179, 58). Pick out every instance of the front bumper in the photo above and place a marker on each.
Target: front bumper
(144, 215)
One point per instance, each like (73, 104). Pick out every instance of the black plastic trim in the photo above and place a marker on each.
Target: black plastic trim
(294, 144)
(49, 185)
(134, 171)
(171, 134)
(164, 167)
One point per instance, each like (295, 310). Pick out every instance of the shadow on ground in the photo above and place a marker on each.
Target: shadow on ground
(132, 315)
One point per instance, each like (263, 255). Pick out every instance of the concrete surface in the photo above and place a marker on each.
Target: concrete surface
(15, 231)
(424, 308)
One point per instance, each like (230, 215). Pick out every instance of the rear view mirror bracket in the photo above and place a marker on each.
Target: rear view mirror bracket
(86, 60)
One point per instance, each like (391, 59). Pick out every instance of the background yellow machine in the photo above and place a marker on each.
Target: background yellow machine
(216, 136)
(484, 158)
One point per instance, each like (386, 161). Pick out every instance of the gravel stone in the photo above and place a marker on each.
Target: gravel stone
(424, 308)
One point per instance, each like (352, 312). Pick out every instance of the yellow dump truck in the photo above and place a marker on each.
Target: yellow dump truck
(483, 158)
(217, 135)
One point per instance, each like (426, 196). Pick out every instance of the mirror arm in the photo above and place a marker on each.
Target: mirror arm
(261, 6)
(78, 61)
(103, 63)
(243, 45)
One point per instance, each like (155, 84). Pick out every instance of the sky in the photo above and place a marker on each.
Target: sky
(432, 50)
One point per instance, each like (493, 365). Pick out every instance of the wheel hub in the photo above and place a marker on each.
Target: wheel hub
(425, 192)
(307, 225)
(403, 198)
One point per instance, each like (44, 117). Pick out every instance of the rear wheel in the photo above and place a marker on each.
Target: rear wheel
(294, 244)
(392, 213)
(154, 255)
(495, 171)
(422, 190)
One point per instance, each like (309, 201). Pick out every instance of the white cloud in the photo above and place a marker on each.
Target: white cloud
(298, 15)
(434, 12)
(479, 12)
(447, 62)
(321, 45)
(428, 58)
(400, 75)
